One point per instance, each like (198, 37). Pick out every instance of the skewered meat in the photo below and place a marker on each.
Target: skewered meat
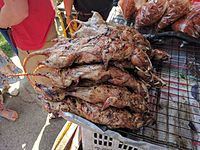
(128, 8)
(96, 27)
(97, 73)
(175, 10)
(87, 54)
(139, 59)
(102, 49)
(81, 80)
(150, 13)
(111, 117)
(191, 23)
(125, 33)
(109, 43)
(110, 95)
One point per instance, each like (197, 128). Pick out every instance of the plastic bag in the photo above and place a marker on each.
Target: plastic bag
(191, 23)
(150, 13)
(128, 8)
(139, 3)
(175, 10)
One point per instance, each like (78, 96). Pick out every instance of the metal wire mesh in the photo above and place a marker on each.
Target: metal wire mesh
(176, 106)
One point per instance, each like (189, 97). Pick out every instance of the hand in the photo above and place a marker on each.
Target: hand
(69, 19)
(71, 25)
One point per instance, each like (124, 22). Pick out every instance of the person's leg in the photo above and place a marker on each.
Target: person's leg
(7, 113)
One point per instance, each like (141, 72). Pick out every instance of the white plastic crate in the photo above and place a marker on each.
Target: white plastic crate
(95, 141)
(94, 138)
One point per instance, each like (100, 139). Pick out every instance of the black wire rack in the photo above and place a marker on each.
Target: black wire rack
(176, 106)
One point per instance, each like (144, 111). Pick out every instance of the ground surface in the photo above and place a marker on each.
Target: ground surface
(32, 130)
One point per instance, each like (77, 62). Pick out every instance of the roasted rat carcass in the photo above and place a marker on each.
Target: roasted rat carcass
(111, 117)
(116, 43)
(150, 13)
(116, 51)
(96, 27)
(96, 73)
(99, 49)
(190, 24)
(64, 78)
(175, 10)
(108, 95)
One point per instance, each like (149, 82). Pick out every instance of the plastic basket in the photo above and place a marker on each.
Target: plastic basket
(95, 141)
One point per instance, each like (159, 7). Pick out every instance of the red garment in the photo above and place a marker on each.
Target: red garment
(32, 32)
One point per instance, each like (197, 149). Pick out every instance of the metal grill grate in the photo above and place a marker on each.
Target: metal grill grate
(176, 106)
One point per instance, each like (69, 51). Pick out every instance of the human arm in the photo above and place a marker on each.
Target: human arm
(13, 12)
(68, 9)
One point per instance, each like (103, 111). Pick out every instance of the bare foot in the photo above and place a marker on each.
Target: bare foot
(9, 114)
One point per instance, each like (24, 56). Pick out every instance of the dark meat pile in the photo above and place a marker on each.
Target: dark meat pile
(102, 74)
